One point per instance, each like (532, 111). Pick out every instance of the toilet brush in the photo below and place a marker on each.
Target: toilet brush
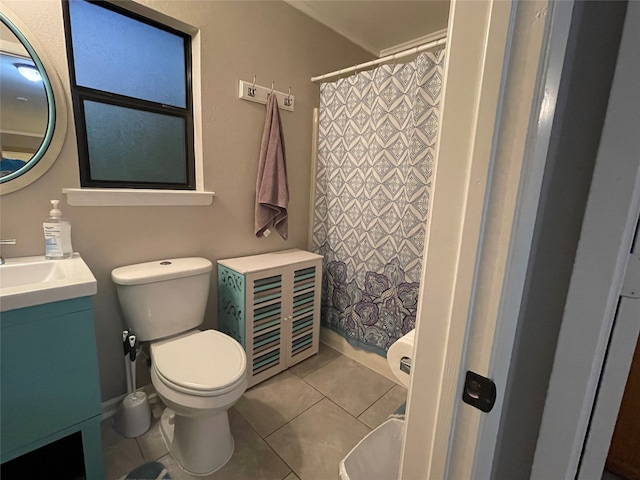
(133, 417)
(127, 368)
(132, 364)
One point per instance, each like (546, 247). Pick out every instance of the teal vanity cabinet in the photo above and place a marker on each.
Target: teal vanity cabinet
(270, 304)
(49, 380)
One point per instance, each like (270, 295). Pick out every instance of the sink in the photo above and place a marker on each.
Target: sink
(29, 281)
(19, 274)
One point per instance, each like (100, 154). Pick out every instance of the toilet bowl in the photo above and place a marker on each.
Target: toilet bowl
(198, 375)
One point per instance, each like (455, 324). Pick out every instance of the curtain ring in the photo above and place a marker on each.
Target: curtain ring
(254, 82)
(272, 83)
(394, 61)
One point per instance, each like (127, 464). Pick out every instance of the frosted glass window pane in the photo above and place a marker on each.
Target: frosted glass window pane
(132, 145)
(118, 54)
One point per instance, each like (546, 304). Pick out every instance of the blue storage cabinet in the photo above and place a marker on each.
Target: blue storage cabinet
(49, 380)
(270, 304)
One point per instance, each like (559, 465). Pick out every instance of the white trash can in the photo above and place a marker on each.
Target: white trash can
(376, 456)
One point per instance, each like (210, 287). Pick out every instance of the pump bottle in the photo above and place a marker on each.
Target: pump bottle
(57, 234)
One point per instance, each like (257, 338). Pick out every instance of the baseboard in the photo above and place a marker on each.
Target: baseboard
(110, 407)
(370, 360)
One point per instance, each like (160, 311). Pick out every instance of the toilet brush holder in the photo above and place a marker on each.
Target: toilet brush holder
(133, 417)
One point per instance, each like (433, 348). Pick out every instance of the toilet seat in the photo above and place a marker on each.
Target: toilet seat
(207, 363)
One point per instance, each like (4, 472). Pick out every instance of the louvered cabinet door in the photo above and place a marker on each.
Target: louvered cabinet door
(267, 308)
(270, 303)
(303, 324)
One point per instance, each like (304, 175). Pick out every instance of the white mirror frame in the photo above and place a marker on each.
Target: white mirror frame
(60, 123)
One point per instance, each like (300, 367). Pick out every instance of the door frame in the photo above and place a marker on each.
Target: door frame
(567, 447)
(487, 196)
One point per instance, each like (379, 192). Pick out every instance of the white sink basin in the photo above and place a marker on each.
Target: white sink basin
(29, 281)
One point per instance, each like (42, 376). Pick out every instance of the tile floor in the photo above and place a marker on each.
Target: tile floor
(296, 425)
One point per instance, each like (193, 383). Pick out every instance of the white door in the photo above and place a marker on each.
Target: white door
(503, 68)
(486, 193)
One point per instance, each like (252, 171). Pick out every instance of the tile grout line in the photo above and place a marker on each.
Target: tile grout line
(367, 408)
(289, 421)
(279, 428)
(264, 439)
(321, 366)
(376, 400)
(350, 414)
(277, 454)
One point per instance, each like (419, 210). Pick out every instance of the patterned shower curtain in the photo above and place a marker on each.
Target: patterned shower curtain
(376, 152)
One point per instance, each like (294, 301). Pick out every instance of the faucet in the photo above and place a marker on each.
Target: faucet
(9, 241)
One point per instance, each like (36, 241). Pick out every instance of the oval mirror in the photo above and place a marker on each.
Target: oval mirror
(32, 111)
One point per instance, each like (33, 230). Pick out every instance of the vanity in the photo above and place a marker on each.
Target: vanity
(49, 370)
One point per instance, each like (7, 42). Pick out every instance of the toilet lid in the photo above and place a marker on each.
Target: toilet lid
(208, 362)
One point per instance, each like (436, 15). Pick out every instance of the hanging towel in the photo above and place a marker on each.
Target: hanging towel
(272, 190)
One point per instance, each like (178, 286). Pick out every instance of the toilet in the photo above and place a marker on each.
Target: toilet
(198, 374)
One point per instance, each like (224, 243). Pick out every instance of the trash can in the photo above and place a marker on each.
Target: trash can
(376, 456)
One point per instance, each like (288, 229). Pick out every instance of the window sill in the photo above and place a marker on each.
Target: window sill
(133, 197)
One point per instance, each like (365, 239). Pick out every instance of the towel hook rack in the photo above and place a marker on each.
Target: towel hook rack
(260, 94)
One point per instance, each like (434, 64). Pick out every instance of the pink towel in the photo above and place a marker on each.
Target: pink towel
(272, 191)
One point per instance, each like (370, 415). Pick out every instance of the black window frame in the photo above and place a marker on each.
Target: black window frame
(80, 93)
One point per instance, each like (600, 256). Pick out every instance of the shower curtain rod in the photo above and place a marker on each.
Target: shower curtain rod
(394, 56)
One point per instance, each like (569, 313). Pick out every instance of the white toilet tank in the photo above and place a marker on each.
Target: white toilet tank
(164, 297)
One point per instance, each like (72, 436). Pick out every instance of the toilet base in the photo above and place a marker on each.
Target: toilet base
(201, 444)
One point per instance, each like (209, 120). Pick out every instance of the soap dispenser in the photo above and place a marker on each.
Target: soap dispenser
(57, 234)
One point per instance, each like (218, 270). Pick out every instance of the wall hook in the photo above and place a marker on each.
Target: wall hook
(287, 99)
(251, 91)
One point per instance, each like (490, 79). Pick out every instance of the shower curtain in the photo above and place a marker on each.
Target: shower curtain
(376, 150)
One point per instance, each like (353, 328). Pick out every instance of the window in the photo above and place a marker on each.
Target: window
(132, 101)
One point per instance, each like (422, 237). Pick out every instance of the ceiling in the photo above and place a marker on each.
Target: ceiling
(382, 27)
